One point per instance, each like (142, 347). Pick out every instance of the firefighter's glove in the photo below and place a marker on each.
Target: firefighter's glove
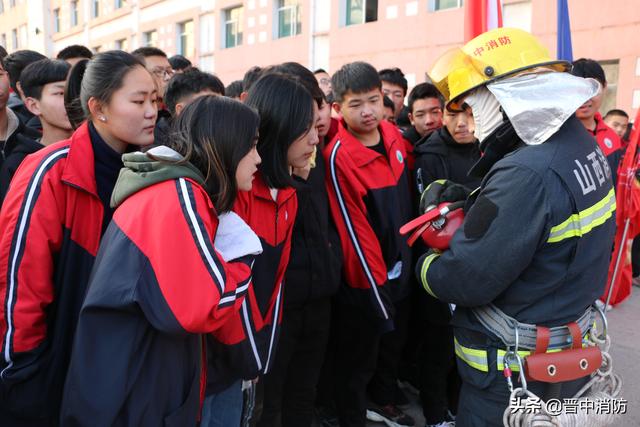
(441, 191)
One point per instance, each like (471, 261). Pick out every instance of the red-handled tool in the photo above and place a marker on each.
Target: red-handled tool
(436, 226)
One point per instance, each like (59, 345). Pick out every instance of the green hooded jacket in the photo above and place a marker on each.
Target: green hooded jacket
(142, 170)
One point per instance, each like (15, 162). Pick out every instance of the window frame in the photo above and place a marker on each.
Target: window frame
(239, 28)
(366, 18)
(182, 33)
(293, 9)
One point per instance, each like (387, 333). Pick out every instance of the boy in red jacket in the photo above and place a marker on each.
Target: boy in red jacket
(368, 187)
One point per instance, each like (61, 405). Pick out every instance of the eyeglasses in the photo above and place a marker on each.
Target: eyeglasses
(163, 72)
(325, 81)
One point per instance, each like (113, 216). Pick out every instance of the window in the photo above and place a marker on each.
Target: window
(150, 38)
(289, 21)
(361, 11)
(74, 13)
(444, 4)
(117, 4)
(186, 39)
(2, 8)
(612, 72)
(12, 3)
(95, 8)
(14, 39)
(4, 39)
(56, 20)
(122, 44)
(233, 26)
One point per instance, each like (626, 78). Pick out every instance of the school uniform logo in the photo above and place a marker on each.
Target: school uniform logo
(608, 143)
(399, 156)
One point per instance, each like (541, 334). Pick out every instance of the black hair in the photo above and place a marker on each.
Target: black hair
(250, 77)
(319, 71)
(304, 75)
(143, 52)
(616, 112)
(72, 103)
(588, 68)
(357, 77)
(40, 73)
(286, 113)
(3, 53)
(179, 62)
(214, 133)
(104, 75)
(16, 62)
(234, 89)
(422, 91)
(387, 102)
(394, 76)
(75, 51)
(189, 83)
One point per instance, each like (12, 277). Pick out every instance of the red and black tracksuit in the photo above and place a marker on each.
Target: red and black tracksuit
(370, 200)
(158, 285)
(610, 144)
(272, 220)
(51, 224)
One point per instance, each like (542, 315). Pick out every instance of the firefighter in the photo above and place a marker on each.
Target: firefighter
(533, 251)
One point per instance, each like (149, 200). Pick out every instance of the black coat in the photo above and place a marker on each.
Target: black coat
(20, 144)
(316, 258)
(439, 156)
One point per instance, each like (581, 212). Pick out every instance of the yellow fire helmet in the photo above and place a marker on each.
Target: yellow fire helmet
(492, 55)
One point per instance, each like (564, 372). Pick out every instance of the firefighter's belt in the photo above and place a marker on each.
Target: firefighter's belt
(504, 327)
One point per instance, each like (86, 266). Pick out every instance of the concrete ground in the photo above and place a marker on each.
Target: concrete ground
(624, 329)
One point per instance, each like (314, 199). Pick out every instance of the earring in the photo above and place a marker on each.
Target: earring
(103, 118)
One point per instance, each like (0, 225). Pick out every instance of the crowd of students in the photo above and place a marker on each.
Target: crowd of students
(177, 252)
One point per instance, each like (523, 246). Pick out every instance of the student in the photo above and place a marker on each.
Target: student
(14, 64)
(51, 223)
(180, 64)
(394, 85)
(250, 77)
(42, 84)
(234, 90)
(324, 80)
(425, 112)
(448, 153)
(74, 54)
(182, 89)
(367, 173)
(311, 279)
(608, 141)
(388, 110)
(72, 102)
(618, 120)
(158, 283)
(12, 130)
(158, 65)
(287, 139)
(189, 85)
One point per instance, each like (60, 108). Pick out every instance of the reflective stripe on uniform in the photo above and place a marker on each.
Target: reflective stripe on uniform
(478, 358)
(579, 224)
(473, 357)
(423, 273)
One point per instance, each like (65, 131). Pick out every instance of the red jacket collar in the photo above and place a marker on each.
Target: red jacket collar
(360, 154)
(79, 170)
(261, 190)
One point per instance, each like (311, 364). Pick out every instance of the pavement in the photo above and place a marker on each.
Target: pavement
(624, 330)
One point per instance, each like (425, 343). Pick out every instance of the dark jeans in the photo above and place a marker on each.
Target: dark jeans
(356, 356)
(484, 407)
(439, 380)
(290, 386)
(384, 384)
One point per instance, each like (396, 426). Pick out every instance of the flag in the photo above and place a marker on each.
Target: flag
(564, 49)
(481, 16)
(627, 221)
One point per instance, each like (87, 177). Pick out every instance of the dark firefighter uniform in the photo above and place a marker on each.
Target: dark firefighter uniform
(535, 243)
